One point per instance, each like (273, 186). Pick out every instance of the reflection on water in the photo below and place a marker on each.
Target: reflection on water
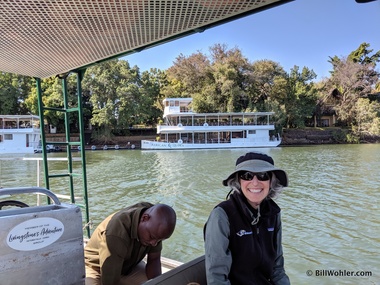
(330, 209)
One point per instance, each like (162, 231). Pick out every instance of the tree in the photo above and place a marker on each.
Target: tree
(216, 83)
(232, 84)
(52, 97)
(120, 97)
(297, 95)
(230, 71)
(151, 85)
(368, 117)
(191, 71)
(362, 55)
(13, 92)
(262, 79)
(350, 81)
(104, 81)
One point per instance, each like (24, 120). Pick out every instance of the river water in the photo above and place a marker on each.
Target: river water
(330, 211)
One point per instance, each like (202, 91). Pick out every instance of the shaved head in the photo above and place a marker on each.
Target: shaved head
(164, 216)
(156, 224)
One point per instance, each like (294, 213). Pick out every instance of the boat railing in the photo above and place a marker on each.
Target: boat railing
(18, 127)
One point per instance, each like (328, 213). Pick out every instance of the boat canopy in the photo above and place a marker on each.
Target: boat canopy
(19, 117)
(41, 38)
(14, 121)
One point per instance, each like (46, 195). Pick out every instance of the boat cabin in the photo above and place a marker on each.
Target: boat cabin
(177, 106)
(19, 133)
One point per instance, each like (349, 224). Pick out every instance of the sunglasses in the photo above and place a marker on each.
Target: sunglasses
(248, 176)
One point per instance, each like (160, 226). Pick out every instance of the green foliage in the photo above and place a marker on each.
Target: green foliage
(122, 97)
(368, 117)
(354, 78)
(116, 96)
(298, 96)
(227, 82)
(102, 136)
(362, 55)
(217, 84)
(264, 82)
(353, 138)
(13, 92)
(340, 135)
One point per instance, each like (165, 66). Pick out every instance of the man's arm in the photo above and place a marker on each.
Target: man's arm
(110, 261)
(153, 265)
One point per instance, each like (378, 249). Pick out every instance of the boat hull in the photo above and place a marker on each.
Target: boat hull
(19, 142)
(148, 144)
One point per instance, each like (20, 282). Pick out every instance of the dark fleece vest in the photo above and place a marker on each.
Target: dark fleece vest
(253, 247)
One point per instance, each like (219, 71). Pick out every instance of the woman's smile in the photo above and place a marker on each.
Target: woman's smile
(255, 190)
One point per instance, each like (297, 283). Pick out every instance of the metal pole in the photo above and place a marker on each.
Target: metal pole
(80, 75)
(43, 137)
(38, 183)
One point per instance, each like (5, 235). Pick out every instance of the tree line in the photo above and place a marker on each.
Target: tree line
(116, 96)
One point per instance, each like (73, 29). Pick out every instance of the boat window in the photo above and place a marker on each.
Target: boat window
(237, 135)
(176, 103)
(251, 132)
(8, 137)
(1, 138)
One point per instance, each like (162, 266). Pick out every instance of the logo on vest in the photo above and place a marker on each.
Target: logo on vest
(243, 233)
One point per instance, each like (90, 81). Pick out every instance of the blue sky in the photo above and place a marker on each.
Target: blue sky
(302, 32)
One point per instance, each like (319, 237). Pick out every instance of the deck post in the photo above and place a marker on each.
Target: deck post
(80, 75)
(42, 127)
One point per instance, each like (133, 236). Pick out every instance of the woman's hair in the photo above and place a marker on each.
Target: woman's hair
(275, 187)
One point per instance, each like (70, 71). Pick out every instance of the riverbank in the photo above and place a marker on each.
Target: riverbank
(290, 137)
(319, 136)
(312, 136)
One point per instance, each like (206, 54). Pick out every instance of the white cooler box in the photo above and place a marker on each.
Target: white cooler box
(41, 245)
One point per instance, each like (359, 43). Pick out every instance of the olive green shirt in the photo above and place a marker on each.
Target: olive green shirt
(114, 249)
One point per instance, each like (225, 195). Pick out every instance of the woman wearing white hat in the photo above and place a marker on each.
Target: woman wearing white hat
(243, 234)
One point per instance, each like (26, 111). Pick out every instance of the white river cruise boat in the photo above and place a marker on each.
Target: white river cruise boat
(19, 133)
(185, 129)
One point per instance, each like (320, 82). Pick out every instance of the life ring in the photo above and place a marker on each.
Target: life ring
(133, 146)
(12, 203)
(93, 147)
(205, 125)
(79, 148)
(180, 141)
(117, 146)
(179, 125)
(105, 147)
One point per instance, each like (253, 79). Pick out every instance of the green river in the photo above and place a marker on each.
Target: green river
(330, 211)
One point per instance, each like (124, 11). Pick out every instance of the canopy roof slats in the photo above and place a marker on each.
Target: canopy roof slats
(42, 38)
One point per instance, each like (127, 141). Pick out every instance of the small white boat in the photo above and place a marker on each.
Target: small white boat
(184, 129)
(19, 133)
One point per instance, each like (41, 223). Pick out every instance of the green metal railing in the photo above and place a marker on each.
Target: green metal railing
(69, 144)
